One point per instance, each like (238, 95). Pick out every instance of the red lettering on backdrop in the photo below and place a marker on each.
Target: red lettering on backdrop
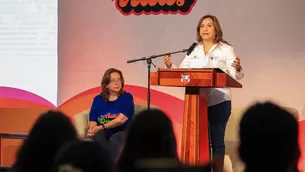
(123, 3)
(144, 2)
(152, 2)
(162, 2)
(134, 3)
(180, 3)
(139, 7)
(170, 2)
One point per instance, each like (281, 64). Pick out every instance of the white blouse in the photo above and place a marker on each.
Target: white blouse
(220, 56)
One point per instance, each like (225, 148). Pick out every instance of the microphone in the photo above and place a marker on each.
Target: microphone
(189, 51)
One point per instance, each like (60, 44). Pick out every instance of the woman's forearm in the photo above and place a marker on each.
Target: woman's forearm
(120, 120)
(114, 123)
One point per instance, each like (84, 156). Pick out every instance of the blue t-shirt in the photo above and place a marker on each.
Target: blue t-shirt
(102, 112)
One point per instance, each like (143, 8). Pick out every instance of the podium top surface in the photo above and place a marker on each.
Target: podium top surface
(190, 69)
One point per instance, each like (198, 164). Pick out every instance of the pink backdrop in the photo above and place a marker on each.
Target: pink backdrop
(94, 35)
(265, 34)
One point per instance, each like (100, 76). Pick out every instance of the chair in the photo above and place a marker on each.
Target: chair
(81, 120)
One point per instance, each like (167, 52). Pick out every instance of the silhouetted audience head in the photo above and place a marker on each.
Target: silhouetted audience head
(82, 156)
(50, 131)
(150, 135)
(268, 139)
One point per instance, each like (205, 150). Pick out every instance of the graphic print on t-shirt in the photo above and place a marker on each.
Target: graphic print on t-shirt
(103, 119)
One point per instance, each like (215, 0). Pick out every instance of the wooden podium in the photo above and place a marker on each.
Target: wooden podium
(195, 149)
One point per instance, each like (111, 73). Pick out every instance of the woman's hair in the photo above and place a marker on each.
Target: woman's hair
(82, 156)
(218, 30)
(150, 135)
(106, 80)
(50, 131)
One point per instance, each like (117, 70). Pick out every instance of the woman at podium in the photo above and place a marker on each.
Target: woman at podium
(212, 51)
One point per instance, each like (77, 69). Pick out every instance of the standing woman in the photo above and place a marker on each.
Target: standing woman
(212, 51)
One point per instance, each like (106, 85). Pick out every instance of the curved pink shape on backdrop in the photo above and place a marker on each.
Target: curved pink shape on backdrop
(15, 93)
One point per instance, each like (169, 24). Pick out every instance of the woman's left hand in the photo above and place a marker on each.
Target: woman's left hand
(93, 131)
(236, 64)
(96, 129)
(90, 133)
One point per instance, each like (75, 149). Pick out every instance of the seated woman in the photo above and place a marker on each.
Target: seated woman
(112, 109)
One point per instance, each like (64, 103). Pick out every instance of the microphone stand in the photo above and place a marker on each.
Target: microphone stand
(149, 62)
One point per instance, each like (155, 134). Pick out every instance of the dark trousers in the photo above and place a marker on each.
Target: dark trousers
(218, 117)
(113, 143)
